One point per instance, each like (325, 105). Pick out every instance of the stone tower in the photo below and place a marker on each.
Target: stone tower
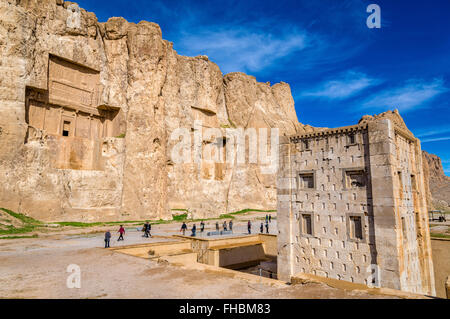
(352, 206)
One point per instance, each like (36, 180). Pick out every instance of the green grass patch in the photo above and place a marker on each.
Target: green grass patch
(244, 211)
(180, 218)
(12, 230)
(22, 217)
(30, 224)
(248, 210)
(19, 237)
(125, 222)
(439, 235)
(78, 224)
(121, 135)
(86, 225)
(226, 216)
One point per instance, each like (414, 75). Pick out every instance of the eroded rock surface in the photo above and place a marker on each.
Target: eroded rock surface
(119, 92)
(115, 162)
(439, 182)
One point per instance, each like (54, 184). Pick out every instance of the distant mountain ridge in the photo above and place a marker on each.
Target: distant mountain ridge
(439, 182)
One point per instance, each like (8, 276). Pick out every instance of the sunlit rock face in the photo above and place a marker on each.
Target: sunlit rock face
(89, 115)
(88, 112)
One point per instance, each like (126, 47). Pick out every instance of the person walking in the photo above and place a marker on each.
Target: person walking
(267, 227)
(145, 229)
(183, 228)
(217, 226)
(225, 226)
(261, 228)
(249, 227)
(194, 230)
(202, 227)
(121, 232)
(231, 225)
(270, 218)
(149, 229)
(107, 238)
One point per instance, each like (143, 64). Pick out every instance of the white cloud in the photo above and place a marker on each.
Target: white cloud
(437, 139)
(344, 86)
(434, 131)
(415, 93)
(243, 49)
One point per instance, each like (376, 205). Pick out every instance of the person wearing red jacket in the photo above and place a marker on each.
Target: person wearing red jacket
(121, 232)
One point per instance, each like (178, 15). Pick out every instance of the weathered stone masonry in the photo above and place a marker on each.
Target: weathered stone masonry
(352, 200)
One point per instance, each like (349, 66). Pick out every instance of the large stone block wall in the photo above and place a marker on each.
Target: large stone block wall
(331, 202)
(393, 250)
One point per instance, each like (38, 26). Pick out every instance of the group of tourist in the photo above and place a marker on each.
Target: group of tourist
(146, 229)
(261, 228)
(108, 236)
(226, 227)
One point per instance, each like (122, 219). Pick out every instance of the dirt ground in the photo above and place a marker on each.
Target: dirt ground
(37, 268)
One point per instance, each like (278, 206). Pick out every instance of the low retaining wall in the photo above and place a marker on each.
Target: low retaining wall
(233, 252)
(156, 249)
(340, 284)
(441, 263)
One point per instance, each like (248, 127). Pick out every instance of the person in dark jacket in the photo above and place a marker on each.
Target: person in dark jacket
(107, 239)
(145, 229)
(270, 218)
(202, 226)
(261, 228)
(217, 226)
(148, 228)
(194, 230)
(225, 226)
(267, 227)
(231, 225)
(183, 228)
(249, 227)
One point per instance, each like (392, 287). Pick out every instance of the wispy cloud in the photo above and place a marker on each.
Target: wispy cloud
(438, 139)
(267, 43)
(344, 86)
(241, 49)
(432, 132)
(414, 94)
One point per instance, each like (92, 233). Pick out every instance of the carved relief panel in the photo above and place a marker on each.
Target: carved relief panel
(72, 85)
(70, 115)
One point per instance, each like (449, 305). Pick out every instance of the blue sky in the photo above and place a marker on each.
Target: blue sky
(338, 68)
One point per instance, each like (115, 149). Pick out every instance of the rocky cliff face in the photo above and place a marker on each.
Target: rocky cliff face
(89, 113)
(439, 182)
(153, 92)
